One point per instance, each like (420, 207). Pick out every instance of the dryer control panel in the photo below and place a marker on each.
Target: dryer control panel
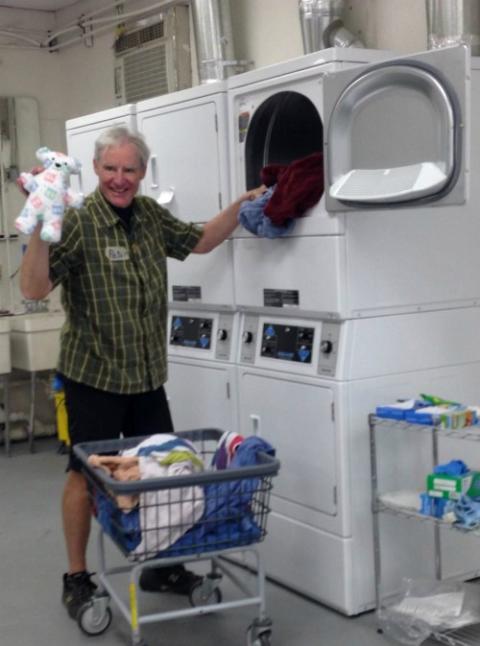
(287, 342)
(300, 345)
(191, 332)
(207, 335)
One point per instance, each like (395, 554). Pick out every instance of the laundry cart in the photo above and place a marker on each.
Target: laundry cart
(163, 521)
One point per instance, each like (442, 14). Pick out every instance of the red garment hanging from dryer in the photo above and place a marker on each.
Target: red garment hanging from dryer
(299, 186)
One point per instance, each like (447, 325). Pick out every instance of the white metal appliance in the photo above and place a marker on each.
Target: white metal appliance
(82, 133)
(361, 302)
(202, 385)
(380, 127)
(187, 134)
(188, 174)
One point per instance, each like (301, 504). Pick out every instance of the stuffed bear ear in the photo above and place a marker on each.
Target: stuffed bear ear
(42, 153)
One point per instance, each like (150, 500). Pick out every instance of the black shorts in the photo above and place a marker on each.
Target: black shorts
(99, 415)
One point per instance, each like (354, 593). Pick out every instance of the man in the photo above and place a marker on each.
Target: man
(111, 263)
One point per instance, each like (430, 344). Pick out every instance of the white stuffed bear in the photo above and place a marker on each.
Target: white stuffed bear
(49, 194)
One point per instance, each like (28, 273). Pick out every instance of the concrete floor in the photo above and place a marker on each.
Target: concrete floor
(32, 561)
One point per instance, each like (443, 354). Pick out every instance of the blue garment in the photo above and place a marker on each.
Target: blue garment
(228, 519)
(122, 527)
(452, 468)
(252, 217)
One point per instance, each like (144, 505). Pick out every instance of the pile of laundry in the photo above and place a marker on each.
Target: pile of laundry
(292, 190)
(170, 519)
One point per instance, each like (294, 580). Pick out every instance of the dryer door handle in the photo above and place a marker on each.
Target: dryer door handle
(153, 166)
(256, 425)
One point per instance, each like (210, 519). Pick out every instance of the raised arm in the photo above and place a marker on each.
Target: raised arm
(34, 271)
(222, 225)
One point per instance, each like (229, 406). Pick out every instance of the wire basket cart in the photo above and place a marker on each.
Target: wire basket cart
(152, 522)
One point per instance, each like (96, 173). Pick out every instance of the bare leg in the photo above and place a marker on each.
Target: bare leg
(76, 511)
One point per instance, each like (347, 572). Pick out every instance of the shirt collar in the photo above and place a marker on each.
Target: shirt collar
(105, 214)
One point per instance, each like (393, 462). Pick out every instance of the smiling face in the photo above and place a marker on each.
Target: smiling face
(119, 172)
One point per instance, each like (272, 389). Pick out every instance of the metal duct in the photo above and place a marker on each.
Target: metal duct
(450, 22)
(322, 25)
(212, 25)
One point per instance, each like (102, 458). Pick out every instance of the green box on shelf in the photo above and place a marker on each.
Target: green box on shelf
(453, 487)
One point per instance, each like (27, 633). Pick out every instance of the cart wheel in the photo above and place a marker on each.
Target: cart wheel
(93, 620)
(204, 594)
(256, 638)
(261, 640)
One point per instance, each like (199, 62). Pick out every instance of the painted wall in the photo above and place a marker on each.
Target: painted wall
(268, 31)
(34, 73)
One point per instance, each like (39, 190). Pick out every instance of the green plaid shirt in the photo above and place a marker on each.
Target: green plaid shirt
(114, 292)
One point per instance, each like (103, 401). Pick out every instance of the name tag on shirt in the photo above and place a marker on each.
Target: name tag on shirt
(117, 253)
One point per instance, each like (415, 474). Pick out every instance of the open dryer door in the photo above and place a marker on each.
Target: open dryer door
(396, 132)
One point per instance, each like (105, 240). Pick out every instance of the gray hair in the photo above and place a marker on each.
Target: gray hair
(118, 136)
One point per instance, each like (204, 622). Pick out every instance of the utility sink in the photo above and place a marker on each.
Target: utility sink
(35, 340)
(5, 357)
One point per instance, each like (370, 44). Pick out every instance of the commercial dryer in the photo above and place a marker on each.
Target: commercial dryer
(307, 386)
(188, 174)
(81, 135)
(364, 301)
(187, 135)
(394, 136)
(202, 382)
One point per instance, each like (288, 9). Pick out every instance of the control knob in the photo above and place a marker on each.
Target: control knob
(247, 336)
(222, 334)
(326, 346)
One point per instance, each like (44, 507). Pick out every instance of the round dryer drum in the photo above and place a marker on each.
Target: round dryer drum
(284, 128)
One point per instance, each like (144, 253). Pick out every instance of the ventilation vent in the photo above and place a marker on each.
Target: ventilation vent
(138, 38)
(153, 59)
(145, 74)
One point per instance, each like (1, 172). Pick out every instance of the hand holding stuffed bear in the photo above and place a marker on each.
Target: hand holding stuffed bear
(49, 194)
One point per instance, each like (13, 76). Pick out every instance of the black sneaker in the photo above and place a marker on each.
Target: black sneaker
(174, 578)
(77, 590)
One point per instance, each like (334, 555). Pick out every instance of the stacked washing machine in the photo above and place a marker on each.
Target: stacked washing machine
(372, 296)
(188, 174)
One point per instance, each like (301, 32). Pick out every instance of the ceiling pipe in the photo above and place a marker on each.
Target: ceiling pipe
(452, 22)
(322, 25)
(212, 25)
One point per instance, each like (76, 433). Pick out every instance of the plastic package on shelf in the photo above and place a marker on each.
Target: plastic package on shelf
(431, 410)
(427, 607)
(443, 416)
(399, 409)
